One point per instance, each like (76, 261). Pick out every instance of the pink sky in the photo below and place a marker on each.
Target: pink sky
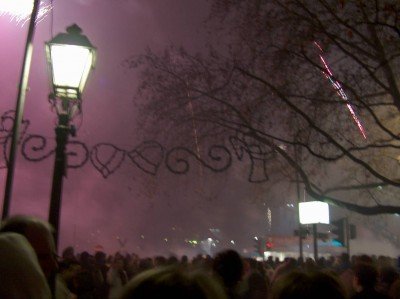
(129, 203)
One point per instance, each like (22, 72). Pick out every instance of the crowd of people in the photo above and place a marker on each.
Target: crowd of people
(29, 268)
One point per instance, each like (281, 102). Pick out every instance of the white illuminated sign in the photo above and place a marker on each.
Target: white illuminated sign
(314, 212)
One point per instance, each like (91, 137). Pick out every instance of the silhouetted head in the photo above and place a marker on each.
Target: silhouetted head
(228, 265)
(300, 285)
(100, 258)
(20, 272)
(365, 276)
(68, 254)
(172, 282)
(39, 235)
(388, 274)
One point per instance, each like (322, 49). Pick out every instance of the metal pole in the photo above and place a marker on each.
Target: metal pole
(296, 155)
(347, 230)
(315, 237)
(19, 109)
(298, 214)
(62, 131)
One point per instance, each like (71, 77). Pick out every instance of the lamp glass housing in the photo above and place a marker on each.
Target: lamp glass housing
(70, 58)
(70, 68)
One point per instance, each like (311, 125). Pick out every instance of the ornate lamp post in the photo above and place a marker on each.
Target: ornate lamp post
(70, 58)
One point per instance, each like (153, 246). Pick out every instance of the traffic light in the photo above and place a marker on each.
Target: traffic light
(339, 229)
(269, 245)
(323, 236)
(304, 233)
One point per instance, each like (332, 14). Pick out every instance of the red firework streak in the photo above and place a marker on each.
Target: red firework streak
(339, 90)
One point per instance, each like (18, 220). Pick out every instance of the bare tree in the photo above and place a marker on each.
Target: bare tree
(311, 86)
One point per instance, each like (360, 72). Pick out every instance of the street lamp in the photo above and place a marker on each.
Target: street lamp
(70, 58)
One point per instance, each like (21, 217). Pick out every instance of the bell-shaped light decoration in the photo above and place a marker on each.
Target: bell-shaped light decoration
(70, 57)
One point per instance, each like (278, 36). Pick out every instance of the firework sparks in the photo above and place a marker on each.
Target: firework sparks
(339, 90)
(19, 11)
(269, 217)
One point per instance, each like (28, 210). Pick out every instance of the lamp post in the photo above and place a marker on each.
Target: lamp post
(70, 58)
(19, 109)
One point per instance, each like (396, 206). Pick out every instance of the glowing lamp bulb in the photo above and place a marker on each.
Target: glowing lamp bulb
(70, 64)
(70, 57)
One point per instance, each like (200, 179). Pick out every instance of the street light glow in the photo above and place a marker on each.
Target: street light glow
(70, 57)
(71, 65)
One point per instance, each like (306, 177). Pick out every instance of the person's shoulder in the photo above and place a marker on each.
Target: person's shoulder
(382, 296)
(370, 294)
(356, 296)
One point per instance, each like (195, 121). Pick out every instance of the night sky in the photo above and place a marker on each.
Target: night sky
(154, 214)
